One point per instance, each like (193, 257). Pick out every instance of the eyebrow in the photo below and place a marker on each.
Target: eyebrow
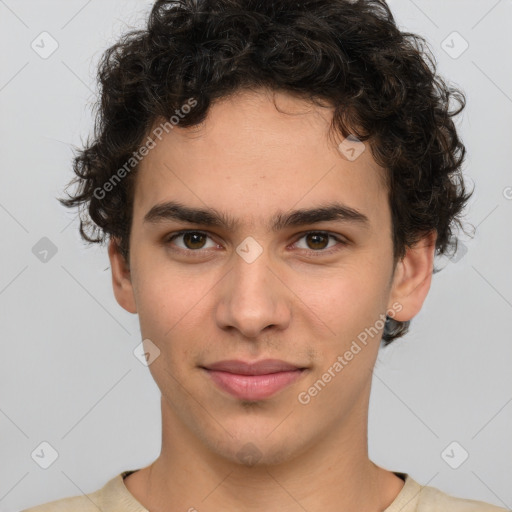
(210, 217)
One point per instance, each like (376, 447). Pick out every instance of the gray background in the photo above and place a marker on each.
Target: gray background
(67, 372)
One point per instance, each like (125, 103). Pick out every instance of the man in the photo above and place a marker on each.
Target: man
(274, 180)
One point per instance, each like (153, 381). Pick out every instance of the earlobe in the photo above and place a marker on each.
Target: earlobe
(121, 278)
(413, 276)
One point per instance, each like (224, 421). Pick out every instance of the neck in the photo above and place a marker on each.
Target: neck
(332, 474)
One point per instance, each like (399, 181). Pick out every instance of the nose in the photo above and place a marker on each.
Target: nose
(252, 299)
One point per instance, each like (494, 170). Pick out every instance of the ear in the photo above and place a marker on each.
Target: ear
(413, 275)
(121, 278)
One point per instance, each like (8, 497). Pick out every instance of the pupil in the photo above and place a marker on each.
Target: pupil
(191, 240)
(316, 238)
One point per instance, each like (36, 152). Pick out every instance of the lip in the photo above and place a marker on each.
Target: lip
(262, 367)
(253, 381)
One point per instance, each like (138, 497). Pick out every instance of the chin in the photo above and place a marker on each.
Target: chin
(252, 449)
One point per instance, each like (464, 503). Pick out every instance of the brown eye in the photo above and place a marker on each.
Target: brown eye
(320, 242)
(191, 241)
(194, 240)
(317, 240)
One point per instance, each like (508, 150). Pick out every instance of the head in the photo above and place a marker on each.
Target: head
(250, 111)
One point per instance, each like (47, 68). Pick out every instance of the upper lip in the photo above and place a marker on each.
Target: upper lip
(263, 367)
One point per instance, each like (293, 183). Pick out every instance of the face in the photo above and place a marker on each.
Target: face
(274, 268)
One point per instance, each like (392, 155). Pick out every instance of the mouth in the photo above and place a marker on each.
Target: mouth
(255, 381)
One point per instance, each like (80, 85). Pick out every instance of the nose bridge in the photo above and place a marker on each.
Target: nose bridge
(252, 298)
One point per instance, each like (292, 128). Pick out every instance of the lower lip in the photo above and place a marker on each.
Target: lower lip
(253, 387)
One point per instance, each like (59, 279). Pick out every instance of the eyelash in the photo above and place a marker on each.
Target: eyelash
(319, 252)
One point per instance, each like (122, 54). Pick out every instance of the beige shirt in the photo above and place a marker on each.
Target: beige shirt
(115, 497)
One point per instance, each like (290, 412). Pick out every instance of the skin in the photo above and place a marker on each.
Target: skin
(294, 302)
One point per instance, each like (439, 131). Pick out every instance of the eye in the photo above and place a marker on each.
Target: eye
(318, 241)
(191, 240)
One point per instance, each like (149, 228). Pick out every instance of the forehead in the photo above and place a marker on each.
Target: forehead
(250, 158)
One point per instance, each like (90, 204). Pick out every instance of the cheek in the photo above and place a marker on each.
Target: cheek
(172, 307)
(165, 295)
(347, 300)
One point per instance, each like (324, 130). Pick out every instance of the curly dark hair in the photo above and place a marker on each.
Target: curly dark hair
(350, 54)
